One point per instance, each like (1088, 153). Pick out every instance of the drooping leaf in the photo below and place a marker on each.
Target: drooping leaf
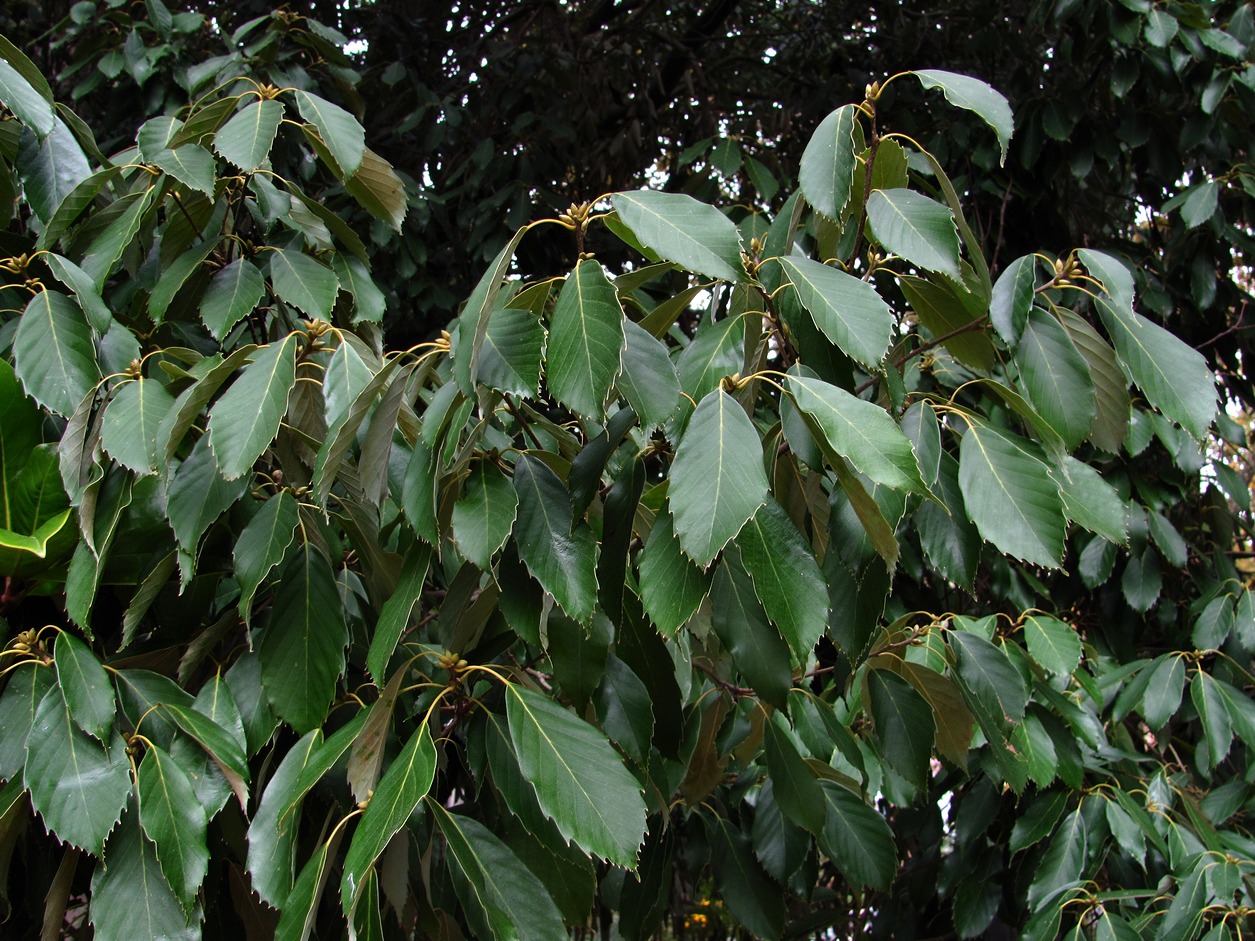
(857, 838)
(847, 309)
(1090, 501)
(752, 898)
(85, 686)
(245, 420)
(340, 131)
(1011, 497)
(106, 250)
(649, 380)
(681, 229)
(77, 785)
(300, 908)
(717, 479)
(794, 785)
(131, 422)
(51, 169)
(18, 707)
(379, 190)
(173, 819)
(261, 545)
(302, 646)
(947, 535)
(580, 781)
(231, 296)
(53, 353)
(585, 340)
(31, 108)
(904, 724)
(563, 557)
(1111, 393)
(739, 621)
(826, 173)
(473, 322)
(672, 585)
(130, 897)
(246, 139)
(624, 709)
(198, 495)
(963, 91)
(483, 518)
(1063, 863)
(394, 617)
(400, 789)
(84, 290)
(919, 229)
(1055, 377)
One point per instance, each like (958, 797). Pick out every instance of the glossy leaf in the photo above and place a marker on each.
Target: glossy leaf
(562, 557)
(963, 91)
(85, 686)
(649, 380)
(829, 163)
(483, 518)
(1054, 644)
(262, 544)
(510, 360)
(245, 420)
(848, 310)
(919, 229)
(681, 229)
(53, 353)
(129, 431)
(672, 585)
(31, 108)
(191, 165)
(173, 819)
(130, 898)
(232, 295)
(585, 340)
(904, 724)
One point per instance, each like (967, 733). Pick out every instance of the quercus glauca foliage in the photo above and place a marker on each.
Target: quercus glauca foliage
(802, 565)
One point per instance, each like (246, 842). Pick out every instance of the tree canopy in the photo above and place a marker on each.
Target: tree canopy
(625, 469)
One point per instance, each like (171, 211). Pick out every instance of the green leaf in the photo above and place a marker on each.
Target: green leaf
(231, 296)
(85, 686)
(649, 380)
(1213, 715)
(402, 786)
(829, 163)
(300, 908)
(198, 495)
(77, 785)
(379, 190)
(1053, 644)
(717, 479)
(302, 647)
(339, 130)
(84, 291)
(272, 832)
(1173, 377)
(483, 518)
(580, 780)
(1092, 502)
(672, 585)
(131, 420)
(857, 839)
(997, 691)
(1062, 865)
(1141, 581)
(717, 350)
(858, 431)
(848, 310)
(585, 340)
(303, 282)
(794, 784)
(949, 310)
(502, 898)
(18, 706)
(1010, 496)
(904, 724)
(562, 557)
(1033, 741)
(394, 617)
(130, 897)
(947, 534)
(624, 709)
(1200, 203)
(226, 750)
(175, 276)
(245, 420)
(786, 577)
(750, 895)
(510, 359)
(919, 229)
(473, 322)
(1037, 820)
(246, 139)
(369, 303)
(174, 820)
(739, 621)
(972, 94)
(31, 108)
(1055, 377)
(108, 247)
(951, 717)
(681, 229)
(191, 165)
(51, 169)
(53, 353)
(261, 546)
(1111, 396)
(1013, 298)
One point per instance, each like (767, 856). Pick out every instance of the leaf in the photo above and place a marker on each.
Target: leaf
(1053, 644)
(1213, 716)
(997, 691)
(716, 351)
(394, 617)
(510, 359)
(501, 897)
(303, 282)
(829, 163)
(379, 190)
(402, 786)
(904, 725)
(483, 518)
(261, 546)
(1092, 502)
(476, 315)
(369, 303)
(739, 621)
(232, 295)
(51, 169)
(857, 839)
(1055, 377)
(246, 139)
(191, 165)
(85, 686)
(1200, 203)
(786, 577)
(562, 557)
(848, 310)
(972, 94)
(53, 353)
(198, 495)
(751, 896)
(580, 780)
(245, 420)
(649, 380)
(130, 898)
(947, 535)
(951, 717)
(717, 480)
(624, 709)
(174, 820)
(672, 585)
(339, 130)
(302, 647)
(18, 706)
(1062, 865)
(1010, 496)
(857, 431)
(131, 421)
(794, 784)
(1013, 298)
(950, 311)
(84, 291)
(585, 340)
(31, 108)
(683, 230)
(300, 908)
(1173, 377)
(919, 229)
(226, 751)
(77, 785)
(108, 247)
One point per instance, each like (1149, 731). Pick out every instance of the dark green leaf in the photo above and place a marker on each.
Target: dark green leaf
(191, 164)
(231, 296)
(261, 546)
(245, 420)
(173, 819)
(510, 359)
(848, 310)
(85, 686)
(795, 786)
(754, 900)
(198, 495)
(379, 190)
(1053, 644)
(585, 341)
(1013, 298)
(857, 839)
(829, 163)
(672, 585)
(246, 139)
(681, 229)
(483, 518)
(53, 353)
(394, 617)
(1063, 864)
(904, 724)
(741, 624)
(1055, 377)
(563, 558)
(31, 108)
(130, 898)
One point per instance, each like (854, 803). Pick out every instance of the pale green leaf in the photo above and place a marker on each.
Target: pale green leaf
(585, 341)
(848, 310)
(85, 686)
(343, 380)
(131, 420)
(562, 557)
(339, 130)
(972, 94)
(51, 169)
(245, 420)
(919, 229)
(231, 296)
(1011, 496)
(717, 477)
(174, 820)
(83, 289)
(107, 248)
(261, 545)
(191, 164)
(53, 353)
(829, 163)
(246, 139)
(304, 282)
(31, 108)
(681, 229)
(580, 780)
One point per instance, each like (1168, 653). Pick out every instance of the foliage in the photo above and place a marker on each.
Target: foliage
(797, 562)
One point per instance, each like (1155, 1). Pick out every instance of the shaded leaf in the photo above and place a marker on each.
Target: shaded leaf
(53, 353)
(246, 139)
(130, 898)
(829, 162)
(857, 839)
(245, 420)
(173, 819)
(672, 585)
(561, 556)
(85, 686)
